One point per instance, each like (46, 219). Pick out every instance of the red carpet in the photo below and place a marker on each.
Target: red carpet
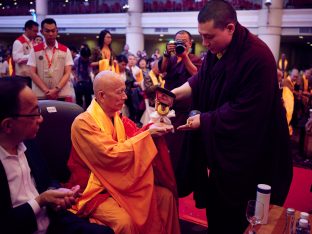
(189, 212)
(299, 198)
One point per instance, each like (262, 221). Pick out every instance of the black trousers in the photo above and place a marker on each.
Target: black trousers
(64, 222)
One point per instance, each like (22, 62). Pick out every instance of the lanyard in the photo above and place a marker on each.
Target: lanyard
(48, 59)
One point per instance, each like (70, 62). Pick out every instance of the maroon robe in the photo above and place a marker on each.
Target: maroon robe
(243, 136)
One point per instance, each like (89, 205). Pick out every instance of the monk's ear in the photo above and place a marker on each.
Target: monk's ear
(6, 125)
(101, 94)
(231, 28)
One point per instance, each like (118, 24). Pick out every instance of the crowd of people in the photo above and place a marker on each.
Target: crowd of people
(233, 117)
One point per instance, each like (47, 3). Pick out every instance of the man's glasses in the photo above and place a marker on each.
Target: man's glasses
(38, 114)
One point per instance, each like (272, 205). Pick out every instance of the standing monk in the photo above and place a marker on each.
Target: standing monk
(241, 136)
(113, 164)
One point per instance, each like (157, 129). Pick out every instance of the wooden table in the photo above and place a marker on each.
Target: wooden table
(276, 221)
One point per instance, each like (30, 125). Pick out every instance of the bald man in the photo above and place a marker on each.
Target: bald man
(112, 162)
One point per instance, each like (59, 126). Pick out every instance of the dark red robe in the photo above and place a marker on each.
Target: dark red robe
(243, 137)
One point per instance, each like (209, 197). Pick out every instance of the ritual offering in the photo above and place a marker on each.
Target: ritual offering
(163, 103)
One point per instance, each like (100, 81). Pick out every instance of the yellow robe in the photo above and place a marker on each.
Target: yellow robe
(288, 99)
(123, 167)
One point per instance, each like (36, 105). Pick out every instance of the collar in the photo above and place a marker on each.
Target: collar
(27, 39)
(21, 148)
(55, 46)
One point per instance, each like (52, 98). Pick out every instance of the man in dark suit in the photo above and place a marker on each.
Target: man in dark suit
(26, 203)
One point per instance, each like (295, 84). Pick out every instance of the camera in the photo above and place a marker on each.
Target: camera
(180, 46)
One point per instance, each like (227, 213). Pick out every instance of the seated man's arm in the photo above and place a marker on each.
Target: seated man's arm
(20, 219)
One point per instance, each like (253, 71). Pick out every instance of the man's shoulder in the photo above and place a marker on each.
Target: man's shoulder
(83, 117)
(21, 39)
(62, 47)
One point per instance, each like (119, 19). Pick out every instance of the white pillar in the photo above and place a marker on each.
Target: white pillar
(134, 32)
(41, 9)
(269, 25)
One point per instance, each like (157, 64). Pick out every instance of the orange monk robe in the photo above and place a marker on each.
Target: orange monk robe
(121, 166)
(106, 53)
(139, 76)
(104, 65)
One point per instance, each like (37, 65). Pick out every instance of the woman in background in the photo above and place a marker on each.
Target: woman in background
(103, 56)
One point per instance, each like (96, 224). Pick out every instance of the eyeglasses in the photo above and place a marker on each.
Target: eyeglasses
(38, 114)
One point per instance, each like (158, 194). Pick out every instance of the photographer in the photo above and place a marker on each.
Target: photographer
(179, 65)
(82, 79)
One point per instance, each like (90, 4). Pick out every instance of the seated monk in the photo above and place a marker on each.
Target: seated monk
(116, 166)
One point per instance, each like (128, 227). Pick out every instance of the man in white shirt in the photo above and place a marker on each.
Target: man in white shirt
(21, 49)
(4, 67)
(50, 65)
(22, 208)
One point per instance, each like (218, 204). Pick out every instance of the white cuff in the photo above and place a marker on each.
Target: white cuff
(35, 206)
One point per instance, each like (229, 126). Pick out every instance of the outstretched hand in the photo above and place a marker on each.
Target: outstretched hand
(192, 123)
(159, 129)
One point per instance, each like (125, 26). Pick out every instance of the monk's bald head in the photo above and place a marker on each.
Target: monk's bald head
(109, 91)
(106, 80)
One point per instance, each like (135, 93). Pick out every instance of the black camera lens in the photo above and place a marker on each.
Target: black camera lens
(180, 47)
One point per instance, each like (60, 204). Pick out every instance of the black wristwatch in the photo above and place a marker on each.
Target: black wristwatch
(166, 54)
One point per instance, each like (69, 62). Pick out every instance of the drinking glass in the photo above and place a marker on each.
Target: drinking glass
(254, 213)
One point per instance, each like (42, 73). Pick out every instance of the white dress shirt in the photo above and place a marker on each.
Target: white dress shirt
(20, 55)
(22, 185)
(49, 51)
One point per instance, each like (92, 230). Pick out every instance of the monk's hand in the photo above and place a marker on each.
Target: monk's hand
(192, 123)
(160, 129)
(61, 198)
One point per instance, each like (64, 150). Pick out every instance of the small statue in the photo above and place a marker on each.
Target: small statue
(163, 102)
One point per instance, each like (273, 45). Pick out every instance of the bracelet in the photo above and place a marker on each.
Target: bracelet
(166, 54)
(57, 88)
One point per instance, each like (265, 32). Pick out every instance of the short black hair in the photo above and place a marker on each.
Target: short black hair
(184, 32)
(73, 48)
(122, 58)
(221, 12)
(48, 21)
(10, 89)
(30, 23)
